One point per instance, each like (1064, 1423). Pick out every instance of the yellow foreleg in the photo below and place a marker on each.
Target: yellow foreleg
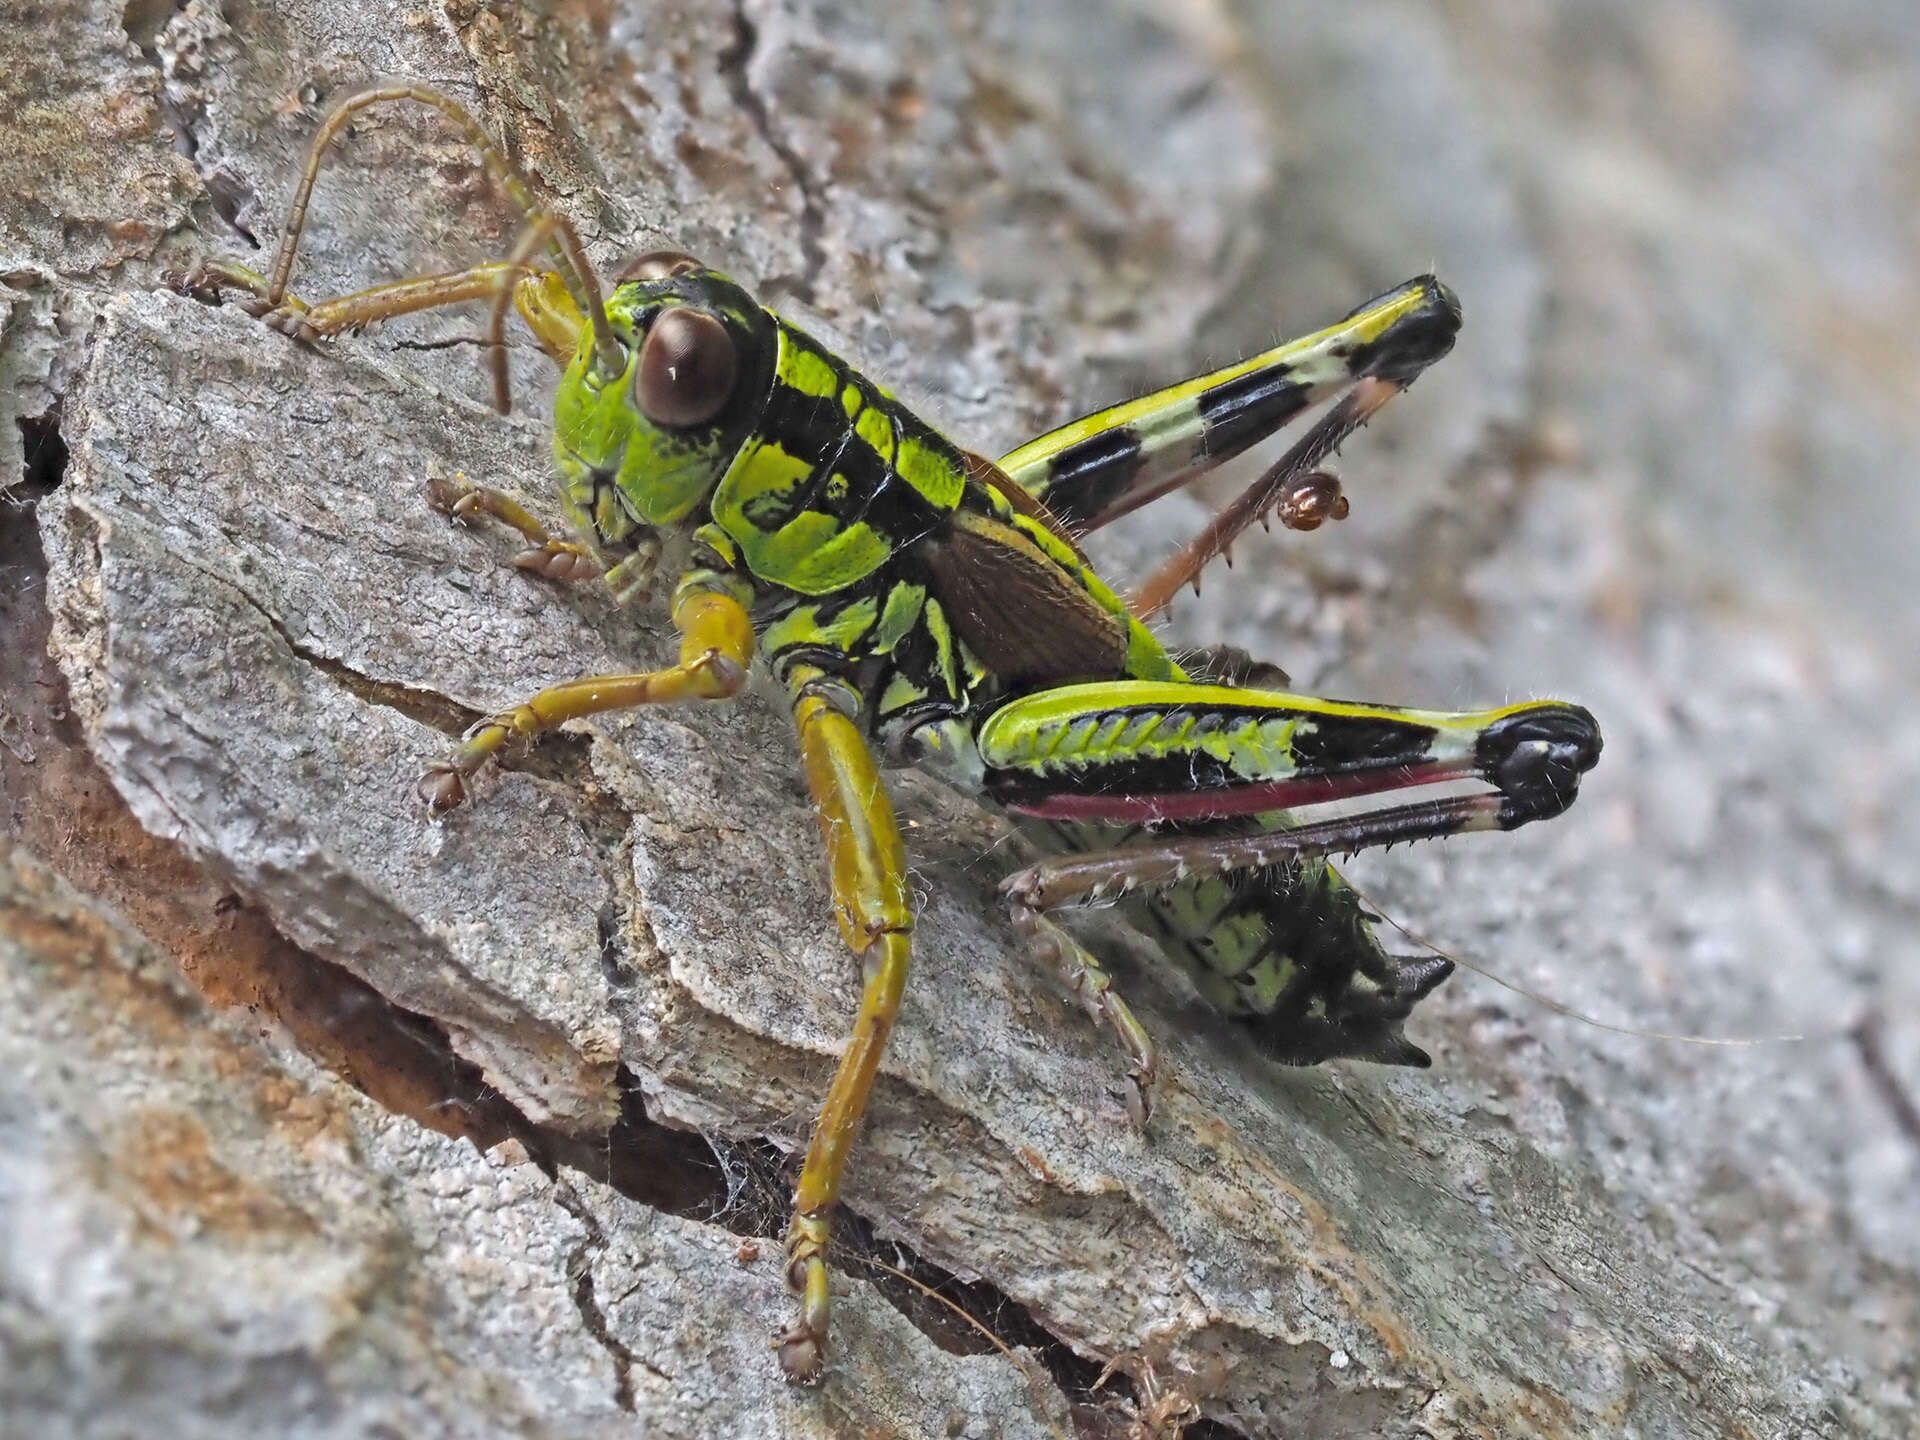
(716, 645)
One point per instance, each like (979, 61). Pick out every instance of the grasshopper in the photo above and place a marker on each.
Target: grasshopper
(917, 604)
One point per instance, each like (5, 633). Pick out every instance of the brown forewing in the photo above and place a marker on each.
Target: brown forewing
(1027, 619)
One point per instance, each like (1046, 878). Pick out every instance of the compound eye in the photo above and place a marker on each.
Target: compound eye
(687, 365)
(658, 265)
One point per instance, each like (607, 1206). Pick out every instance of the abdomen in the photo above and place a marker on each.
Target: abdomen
(1287, 951)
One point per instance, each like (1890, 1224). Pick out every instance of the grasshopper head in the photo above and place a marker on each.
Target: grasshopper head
(646, 446)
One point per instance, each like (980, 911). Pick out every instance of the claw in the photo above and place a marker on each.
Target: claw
(1092, 987)
(442, 788)
(451, 495)
(558, 560)
(289, 322)
(193, 282)
(802, 1356)
(803, 1349)
(209, 280)
(460, 499)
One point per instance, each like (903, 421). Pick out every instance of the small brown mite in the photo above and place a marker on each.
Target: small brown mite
(1312, 501)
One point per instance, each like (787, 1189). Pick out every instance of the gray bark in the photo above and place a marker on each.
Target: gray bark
(1667, 473)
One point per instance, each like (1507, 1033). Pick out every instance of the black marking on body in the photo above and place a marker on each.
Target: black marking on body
(1347, 997)
(1090, 475)
(849, 480)
(1352, 742)
(1182, 772)
(619, 542)
(1246, 409)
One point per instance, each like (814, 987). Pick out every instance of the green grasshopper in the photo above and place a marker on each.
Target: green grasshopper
(919, 605)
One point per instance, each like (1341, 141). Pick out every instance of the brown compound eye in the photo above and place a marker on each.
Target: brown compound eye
(686, 370)
(658, 265)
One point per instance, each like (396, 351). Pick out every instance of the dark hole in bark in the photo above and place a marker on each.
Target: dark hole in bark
(46, 455)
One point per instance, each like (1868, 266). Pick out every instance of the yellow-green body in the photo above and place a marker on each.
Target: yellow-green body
(829, 509)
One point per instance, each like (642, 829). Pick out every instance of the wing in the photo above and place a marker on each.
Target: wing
(1029, 618)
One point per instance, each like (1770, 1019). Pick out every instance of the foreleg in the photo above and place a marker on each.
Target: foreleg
(716, 645)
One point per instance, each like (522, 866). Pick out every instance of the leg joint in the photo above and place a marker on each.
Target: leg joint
(716, 675)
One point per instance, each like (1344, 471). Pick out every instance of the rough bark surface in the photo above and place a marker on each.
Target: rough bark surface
(317, 1118)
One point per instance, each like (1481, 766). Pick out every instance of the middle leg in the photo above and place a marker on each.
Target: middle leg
(1080, 970)
(868, 865)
